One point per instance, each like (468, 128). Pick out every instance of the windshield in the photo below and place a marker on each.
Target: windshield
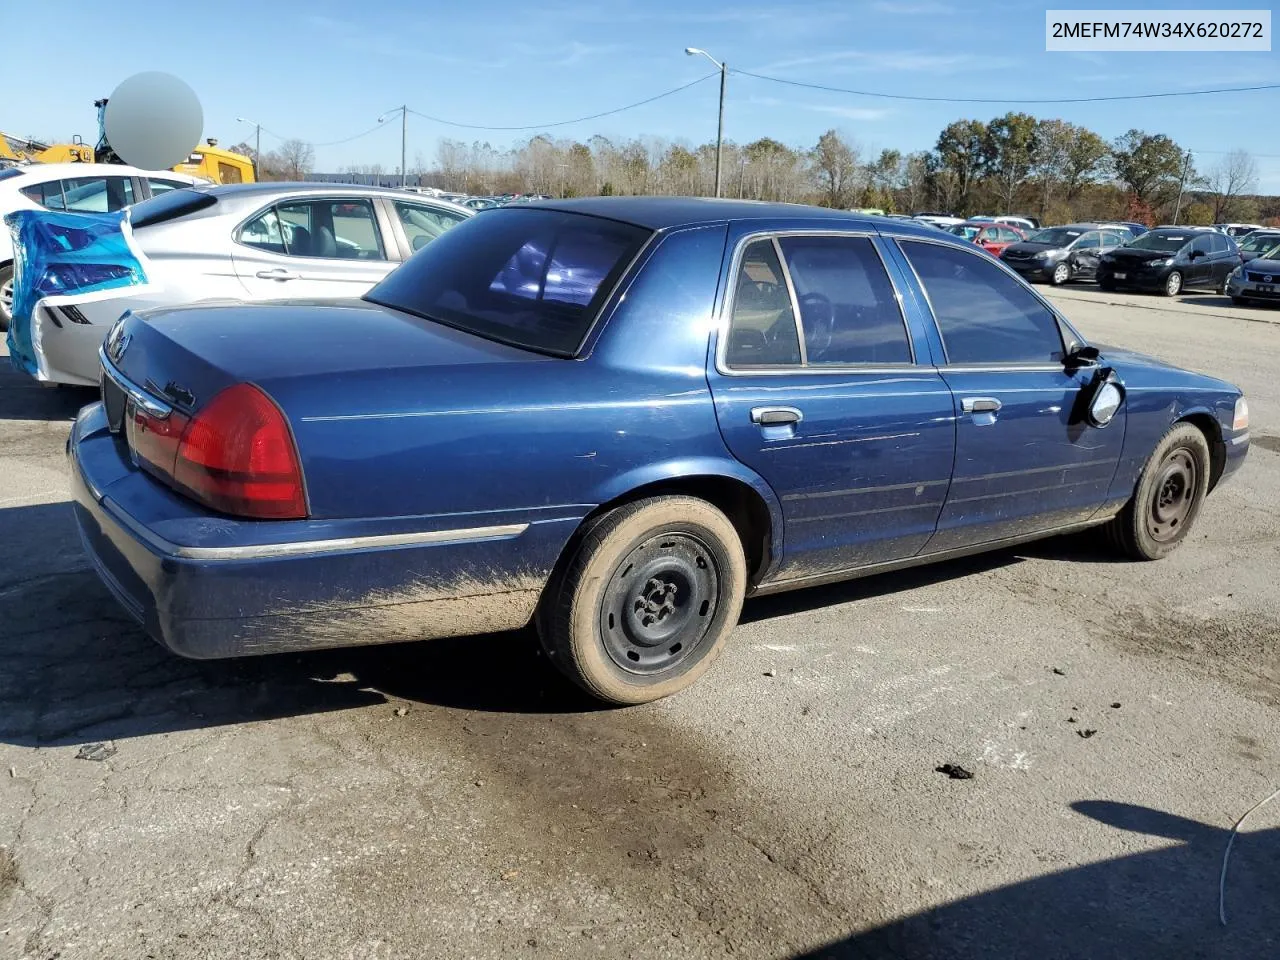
(1256, 244)
(529, 277)
(1168, 241)
(968, 231)
(1055, 237)
(1271, 254)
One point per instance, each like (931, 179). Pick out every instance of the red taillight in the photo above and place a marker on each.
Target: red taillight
(237, 455)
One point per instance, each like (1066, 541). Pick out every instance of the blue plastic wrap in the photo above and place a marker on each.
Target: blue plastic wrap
(64, 253)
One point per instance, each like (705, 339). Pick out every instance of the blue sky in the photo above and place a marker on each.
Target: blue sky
(323, 70)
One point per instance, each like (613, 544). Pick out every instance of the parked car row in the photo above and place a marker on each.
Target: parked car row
(239, 242)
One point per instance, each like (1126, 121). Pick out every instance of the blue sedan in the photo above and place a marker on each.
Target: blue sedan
(616, 418)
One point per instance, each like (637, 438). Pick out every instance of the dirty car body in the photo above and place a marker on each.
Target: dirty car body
(849, 395)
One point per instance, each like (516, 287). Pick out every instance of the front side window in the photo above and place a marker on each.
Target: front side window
(97, 194)
(1111, 238)
(330, 229)
(984, 315)
(423, 223)
(762, 328)
(1089, 240)
(532, 278)
(848, 308)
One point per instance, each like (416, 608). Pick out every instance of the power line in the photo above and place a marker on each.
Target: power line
(1049, 100)
(565, 123)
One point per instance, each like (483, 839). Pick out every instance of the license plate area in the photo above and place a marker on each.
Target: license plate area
(114, 401)
(1266, 288)
(1122, 276)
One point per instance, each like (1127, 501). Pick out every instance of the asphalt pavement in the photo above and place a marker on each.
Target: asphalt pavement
(457, 799)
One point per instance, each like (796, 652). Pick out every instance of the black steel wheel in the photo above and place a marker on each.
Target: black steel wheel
(659, 603)
(1168, 496)
(645, 600)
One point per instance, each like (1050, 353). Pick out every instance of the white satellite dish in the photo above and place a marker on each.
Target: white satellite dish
(153, 120)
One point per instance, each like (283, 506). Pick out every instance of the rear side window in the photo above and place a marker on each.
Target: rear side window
(169, 206)
(97, 194)
(848, 308)
(528, 277)
(422, 223)
(159, 186)
(762, 328)
(48, 194)
(984, 315)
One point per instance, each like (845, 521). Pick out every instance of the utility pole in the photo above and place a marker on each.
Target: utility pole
(1186, 168)
(724, 71)
(404, 135)
(257, 145)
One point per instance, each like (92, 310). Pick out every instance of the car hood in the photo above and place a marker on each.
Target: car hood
(1141, 256)
(1259, 265)
(1032, 247)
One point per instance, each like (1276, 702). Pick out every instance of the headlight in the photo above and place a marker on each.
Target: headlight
(1241, 420)
(1160, 263)
(1237, 272)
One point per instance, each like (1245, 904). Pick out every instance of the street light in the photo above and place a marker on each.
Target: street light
(724, 69)
(404, 129)
(257, 144)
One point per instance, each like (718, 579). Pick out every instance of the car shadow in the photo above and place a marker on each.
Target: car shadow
(1224, 301)
(1159, 903)
(77, 668)
(22, 398)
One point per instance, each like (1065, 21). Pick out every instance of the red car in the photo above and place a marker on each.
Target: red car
(991, 237)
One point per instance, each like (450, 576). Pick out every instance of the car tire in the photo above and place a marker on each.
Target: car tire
(6, 295)
(1173, 284)
(1061, 274)
(1168, 498)
(646, 600)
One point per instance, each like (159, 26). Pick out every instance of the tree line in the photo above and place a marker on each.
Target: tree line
(1016, 163)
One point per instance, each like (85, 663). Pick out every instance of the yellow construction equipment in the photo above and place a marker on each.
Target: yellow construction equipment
(221, 166)
(21, 150)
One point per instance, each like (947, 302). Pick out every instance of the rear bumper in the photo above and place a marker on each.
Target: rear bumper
(242, 594)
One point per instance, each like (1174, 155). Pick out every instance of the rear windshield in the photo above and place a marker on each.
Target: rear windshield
(532, 278)
(169, 206)
(1166, 240)
(1255, 243)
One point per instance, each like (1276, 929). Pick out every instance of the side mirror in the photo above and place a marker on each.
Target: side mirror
(1082, 355)
(1105, 402)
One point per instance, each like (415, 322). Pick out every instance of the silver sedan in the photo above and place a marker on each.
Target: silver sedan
(244, 242)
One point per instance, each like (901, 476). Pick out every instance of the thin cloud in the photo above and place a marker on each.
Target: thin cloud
(849, 113)
(913, 61)
(908, 8)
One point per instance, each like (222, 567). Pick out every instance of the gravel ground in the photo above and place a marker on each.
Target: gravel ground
(457, 799)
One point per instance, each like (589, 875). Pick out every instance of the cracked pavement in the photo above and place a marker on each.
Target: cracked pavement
(787, 806)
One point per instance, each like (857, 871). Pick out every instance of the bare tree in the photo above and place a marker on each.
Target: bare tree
(1237, 174)
(835, 168)
(297, 159)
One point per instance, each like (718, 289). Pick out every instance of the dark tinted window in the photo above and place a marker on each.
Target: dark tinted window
(533, 278)
(169, 206)
(983, 314)
(1220, 243)
(762, 329)
(11, 172)
(1204, 243)
(848, 309)
(48, 194)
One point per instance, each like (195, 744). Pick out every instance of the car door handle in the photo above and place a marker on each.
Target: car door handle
(279, 273)
(981, 405)
(776, 416)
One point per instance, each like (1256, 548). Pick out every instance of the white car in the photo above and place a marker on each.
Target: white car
(75, 187)
(243, 242)
(1237, 230)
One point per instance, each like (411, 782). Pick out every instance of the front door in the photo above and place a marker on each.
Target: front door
(817, 390)
(328, 248)
(1026, 461)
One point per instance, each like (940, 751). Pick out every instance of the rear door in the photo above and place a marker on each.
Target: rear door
(313, 247)
(1025, 461)
(1200, 265)
(819, 389)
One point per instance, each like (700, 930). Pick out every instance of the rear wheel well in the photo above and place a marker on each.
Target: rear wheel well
(744, 507)
(1212, 431)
